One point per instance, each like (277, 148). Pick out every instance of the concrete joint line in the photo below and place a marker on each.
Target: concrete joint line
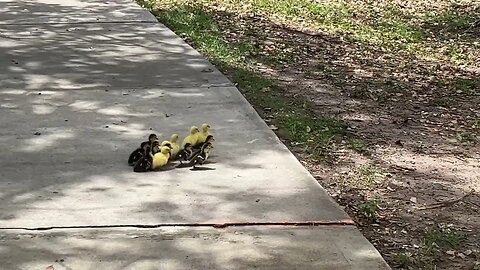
(81, 23)
(139, 87)
(344, 222)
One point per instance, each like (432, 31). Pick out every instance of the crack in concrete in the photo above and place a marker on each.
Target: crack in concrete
(344, 222)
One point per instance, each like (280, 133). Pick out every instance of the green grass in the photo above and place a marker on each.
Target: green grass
(337, 16)
(475, 123)
(197, 25)
(420, 148)
(390, 26)
(369, 210)
(456, 53)
(438, 239)
(303, 127)
(451, 19)
(467, 137)
(403, 260)
(441, 102)
(358, 145)
(466, 86)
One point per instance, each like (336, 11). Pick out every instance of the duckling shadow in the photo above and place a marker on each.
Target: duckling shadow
(202, 169)
(183, 165)
(97, 189)
(246, 165)
(188, 165)
(166, 168)
(210, 162)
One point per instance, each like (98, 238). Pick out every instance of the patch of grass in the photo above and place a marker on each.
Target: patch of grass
(369, 210)
(403, 260)
(200, 29)
(390, 26)
(363, 177)
(467, 137)
(197, 25)
(455, 53)
(475, 123)
(420, 148)
(438, 239)
(316, 134)
(358, 145)
(451, 19)
(441, 102)
(466, 86)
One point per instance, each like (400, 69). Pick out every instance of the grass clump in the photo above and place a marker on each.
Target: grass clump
(403, 260)
(369, 210)
(466, 86)
(358, 145)
(438, 239)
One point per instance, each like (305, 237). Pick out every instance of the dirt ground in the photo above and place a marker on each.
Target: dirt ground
(420, 156)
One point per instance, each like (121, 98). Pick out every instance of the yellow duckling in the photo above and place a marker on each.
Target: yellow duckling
(161, 159)
(175, 146)
(192, 138)
(166, 143)
(203, 134)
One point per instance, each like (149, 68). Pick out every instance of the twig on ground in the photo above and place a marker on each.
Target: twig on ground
(445, 203)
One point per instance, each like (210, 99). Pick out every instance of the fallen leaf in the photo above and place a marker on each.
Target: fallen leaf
(413, 199)
(450, 252)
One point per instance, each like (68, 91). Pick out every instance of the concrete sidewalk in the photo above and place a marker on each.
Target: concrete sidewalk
(93, 78)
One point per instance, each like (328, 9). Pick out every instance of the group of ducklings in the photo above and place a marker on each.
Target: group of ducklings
(153, 155)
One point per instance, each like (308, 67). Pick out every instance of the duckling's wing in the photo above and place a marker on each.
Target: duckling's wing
(194, 153)
(135, 156)
(143, 165)
(175, 149)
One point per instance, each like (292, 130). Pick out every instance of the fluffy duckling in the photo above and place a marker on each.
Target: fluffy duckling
(185, 153)
(166, 143)
(203, 134)
(202, 156)
(209, 139)
(145, 163)
(192, 138)
(175, 146)
(198, 149)
(138, 153)
(161, 159)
